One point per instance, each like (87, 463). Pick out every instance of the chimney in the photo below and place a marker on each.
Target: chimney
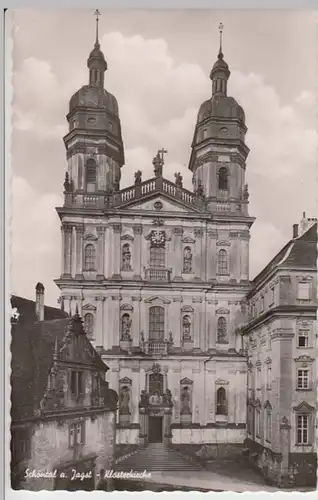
(295, 230)
(39, 301)
(306, 223)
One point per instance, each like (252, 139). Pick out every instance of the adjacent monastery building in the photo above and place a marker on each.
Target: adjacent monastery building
(160, 274)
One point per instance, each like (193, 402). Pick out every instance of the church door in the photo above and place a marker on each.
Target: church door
(155, 429)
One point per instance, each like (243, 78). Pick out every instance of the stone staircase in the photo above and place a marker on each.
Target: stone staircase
(156, 458)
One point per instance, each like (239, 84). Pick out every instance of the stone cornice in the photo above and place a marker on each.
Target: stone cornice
(286, 310)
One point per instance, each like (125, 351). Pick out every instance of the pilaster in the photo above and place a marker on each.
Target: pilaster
(137, 252)
(177, 253)
(101, 253)
(67, 250)
(79, 231)
(116, 251)
(99, 329)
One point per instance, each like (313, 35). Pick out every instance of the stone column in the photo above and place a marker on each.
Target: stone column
(137, 252)
(143, 320)
(167, 435)
(63, 260)
(178, 253)
(197, 318)
(245, 237)
(101, 253)
(136, 328)
(116, 252)
(67, 247)
(79, 231)
(176, 321)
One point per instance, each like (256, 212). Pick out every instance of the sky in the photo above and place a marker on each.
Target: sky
(159, 63)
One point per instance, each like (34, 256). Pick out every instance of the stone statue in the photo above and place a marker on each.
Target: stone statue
(187, 260)
(186, 327)
(246, 193)
(126, 324)
(138, 178)
(200, 192)
(158, 164)
(179, 181)
(142, 341)
(185, 401)
(170, 337)
(126, 258)
(144, 398)
(124, 398)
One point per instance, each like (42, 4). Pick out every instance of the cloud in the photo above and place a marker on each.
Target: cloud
(35, 240)
(159, 98)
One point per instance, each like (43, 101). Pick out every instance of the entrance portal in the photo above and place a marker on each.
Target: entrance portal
(155, 429)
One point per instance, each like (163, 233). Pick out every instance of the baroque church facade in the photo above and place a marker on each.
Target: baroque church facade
(160, 274)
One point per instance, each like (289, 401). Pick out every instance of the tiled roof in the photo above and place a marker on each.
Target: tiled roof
(32, 348)
(298, 253)
(26, 309)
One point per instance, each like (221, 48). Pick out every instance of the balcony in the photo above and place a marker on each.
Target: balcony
(158, 275)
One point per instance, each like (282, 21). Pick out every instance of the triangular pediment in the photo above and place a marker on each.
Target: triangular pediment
(89, 307)
(222, 310)
(158, 298)
(90, 237)
(304, 407)
(186, 381)
(125, 381)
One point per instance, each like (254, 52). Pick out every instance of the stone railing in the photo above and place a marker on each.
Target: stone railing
(158, 347)
(157, 274)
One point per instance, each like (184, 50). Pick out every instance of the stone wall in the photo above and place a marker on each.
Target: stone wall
(50, 448)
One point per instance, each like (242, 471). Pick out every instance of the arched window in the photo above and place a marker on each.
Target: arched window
(156, 323)
(126, 258)
(221, 404)
(89, 324)
(90, 258)
(157, 258)
(125, 327)
(91, 175)
(221, 330)
(223, 267)
(223, 179)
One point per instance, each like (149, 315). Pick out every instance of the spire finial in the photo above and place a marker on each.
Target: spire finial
(97, 14)
(221, 27)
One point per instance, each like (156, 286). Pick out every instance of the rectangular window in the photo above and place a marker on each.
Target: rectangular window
(302, 429)
(77, 383)
(303, 338)
(205, 133)
(303, 379)
(303, 291)
(272, 296)
(262, 304)
(77, 434)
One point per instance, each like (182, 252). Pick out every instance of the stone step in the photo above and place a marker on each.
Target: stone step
(156, 458)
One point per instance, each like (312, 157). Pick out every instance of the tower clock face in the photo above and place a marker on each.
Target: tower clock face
(158, 238)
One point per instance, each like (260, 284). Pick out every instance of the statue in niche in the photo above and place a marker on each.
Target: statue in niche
(186, 328)
(246, 193)
(187, 260)
(126, 325)
(138, 178)
(142, 341)
(179, 181)
(126, 258)
(124, 399)
(185, 400)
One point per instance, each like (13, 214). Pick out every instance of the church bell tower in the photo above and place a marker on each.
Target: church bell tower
(219, 152)
(94, 144)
